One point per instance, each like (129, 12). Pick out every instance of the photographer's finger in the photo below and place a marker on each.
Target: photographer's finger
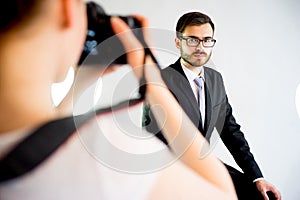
(134, 49)
(143, 20)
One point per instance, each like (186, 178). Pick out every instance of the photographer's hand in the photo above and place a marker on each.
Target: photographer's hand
(85, 76)
(134, 49)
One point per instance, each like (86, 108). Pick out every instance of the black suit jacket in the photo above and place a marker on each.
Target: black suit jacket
(218, 114)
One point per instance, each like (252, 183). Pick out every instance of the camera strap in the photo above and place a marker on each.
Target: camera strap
(38, 146)
(44, 141)
(143, 83)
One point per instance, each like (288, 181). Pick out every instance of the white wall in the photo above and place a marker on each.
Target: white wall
(257, 52)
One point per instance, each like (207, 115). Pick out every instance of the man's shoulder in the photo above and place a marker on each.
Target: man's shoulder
(212, 73)
(174, 66)
(172, 71)
(211, 70)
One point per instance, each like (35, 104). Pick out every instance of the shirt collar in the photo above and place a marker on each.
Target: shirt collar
(190, 74)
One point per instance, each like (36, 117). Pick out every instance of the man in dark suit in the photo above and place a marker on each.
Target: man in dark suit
(201, 93)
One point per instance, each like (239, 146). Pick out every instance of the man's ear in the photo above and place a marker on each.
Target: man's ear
(177, 43)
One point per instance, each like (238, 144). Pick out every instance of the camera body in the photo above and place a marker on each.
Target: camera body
(101, 46)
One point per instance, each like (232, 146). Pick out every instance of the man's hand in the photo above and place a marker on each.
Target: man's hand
(264, 186)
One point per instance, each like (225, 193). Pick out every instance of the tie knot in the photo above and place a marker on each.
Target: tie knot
(199, 81)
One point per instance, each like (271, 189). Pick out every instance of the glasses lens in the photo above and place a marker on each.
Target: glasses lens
(208, 42)
(193, 42)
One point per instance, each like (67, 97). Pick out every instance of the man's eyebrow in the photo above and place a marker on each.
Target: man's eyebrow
(192, 36)
(195, 37)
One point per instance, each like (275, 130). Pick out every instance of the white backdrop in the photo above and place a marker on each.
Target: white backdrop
(257, 53)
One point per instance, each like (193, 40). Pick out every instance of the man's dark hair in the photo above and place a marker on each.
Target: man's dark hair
(191, 19)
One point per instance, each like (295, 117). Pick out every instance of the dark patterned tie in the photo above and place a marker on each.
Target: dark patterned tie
(201, 101)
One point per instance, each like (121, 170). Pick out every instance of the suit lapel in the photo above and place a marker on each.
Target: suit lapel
(208, 100)
(189, 98)
(180, 87)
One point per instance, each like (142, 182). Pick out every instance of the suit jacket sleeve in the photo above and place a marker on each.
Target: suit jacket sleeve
(236, 143)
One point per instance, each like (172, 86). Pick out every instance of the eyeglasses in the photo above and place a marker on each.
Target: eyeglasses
(194, 42)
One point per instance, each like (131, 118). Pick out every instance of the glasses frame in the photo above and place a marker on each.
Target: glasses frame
(199, 41)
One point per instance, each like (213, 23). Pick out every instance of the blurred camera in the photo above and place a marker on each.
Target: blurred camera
(101, 46)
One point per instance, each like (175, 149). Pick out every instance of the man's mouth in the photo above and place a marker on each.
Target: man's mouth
(199, 54)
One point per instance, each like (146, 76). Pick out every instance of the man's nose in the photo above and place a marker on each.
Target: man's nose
(200, 46)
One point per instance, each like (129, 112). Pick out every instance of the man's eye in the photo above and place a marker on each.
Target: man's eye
(194, 40)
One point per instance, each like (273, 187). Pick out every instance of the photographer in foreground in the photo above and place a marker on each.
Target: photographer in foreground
(39, 41)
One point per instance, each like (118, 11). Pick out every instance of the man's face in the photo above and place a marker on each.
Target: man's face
(195, 56)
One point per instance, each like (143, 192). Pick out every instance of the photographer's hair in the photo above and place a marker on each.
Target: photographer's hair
(192, 19)
(16, 12)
